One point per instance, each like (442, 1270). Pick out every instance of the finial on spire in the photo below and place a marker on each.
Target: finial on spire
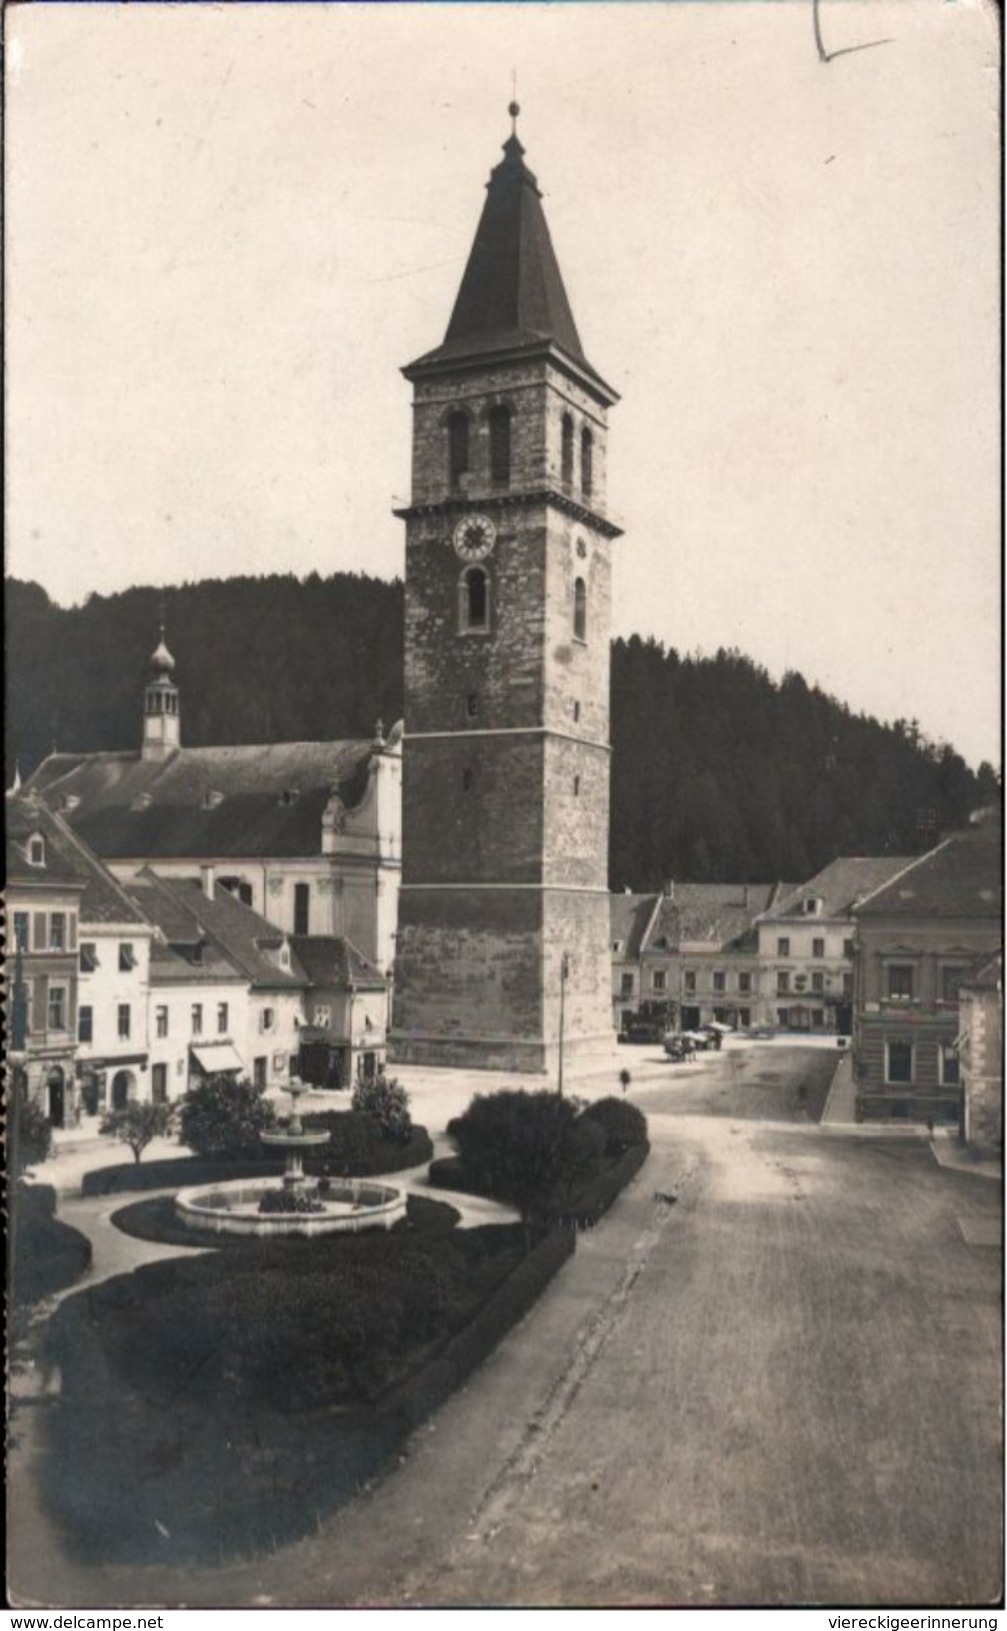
(514, 107)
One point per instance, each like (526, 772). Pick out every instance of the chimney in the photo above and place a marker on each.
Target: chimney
(206, 872)
(669, 889)
(747, 902)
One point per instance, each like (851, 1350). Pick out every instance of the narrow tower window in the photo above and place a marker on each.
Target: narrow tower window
(566, 468)
(302, 907)
(500, 445)
(474, 601)
(580, 610)
(586, 462)
(467, 780)
(458, 448)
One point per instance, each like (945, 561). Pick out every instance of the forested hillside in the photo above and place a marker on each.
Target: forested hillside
(717, 771)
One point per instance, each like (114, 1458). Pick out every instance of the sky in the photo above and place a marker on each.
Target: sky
(228, 227)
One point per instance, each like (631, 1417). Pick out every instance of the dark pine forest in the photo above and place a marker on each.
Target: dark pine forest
(718, 772)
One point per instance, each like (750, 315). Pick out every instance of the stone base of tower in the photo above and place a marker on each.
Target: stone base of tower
(479, 986)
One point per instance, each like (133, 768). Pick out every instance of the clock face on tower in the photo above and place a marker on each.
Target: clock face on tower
(474, 537)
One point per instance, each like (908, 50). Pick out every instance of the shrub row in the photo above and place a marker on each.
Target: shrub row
(47, 1256)
(358, 1151)
(413, 1399)
(594, 1199)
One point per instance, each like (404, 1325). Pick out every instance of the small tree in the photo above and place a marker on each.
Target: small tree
(387, 1101)
(222, 1118)
(30, 1134)
(137, 1124)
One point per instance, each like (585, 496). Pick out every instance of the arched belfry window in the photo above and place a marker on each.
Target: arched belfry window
(499, 422)
(458, 448)
(474, 601)
(586, 462)
(566, 466)
(580, 610)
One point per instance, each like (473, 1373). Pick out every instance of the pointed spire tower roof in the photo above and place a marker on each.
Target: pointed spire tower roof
(512, 298)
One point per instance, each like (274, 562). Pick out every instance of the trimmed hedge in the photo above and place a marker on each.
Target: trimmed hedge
(621, 1122)
(588, 1203)
(46, 1255)
(413, 1399)
(367, 1157)
(156, 1219)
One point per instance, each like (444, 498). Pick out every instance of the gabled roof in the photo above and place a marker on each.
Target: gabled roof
(846, 880)
(961, 878)
(715, 914)
(512, 296)
(67, 861)
(332, 960)
(187, 917)
(215, 801)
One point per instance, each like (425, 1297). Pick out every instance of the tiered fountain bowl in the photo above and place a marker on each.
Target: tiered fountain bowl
(343, 1205)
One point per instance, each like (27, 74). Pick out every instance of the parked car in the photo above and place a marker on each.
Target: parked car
(642, 1030)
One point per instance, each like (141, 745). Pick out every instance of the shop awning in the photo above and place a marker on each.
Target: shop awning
(214, 1057)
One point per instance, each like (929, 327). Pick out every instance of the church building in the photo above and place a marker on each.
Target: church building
(503, 940)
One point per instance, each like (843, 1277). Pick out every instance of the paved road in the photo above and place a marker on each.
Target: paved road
(782, 1388)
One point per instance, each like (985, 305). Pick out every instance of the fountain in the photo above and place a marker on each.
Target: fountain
(299, 1205)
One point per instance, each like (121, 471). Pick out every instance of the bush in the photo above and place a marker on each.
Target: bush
(387, 1101)
(222, 1118)
(30, 1135)
(622, 1124)
(522, 1147)
(137, 1124)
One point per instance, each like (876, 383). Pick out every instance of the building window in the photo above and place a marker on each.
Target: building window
(744, 982)
(566, 465)
(499, 419)
(56, 1009)
(474, 601)
(267, 1019)
(719, 980)
(36, 852)
(161, 1021)
(21, 931)
(85, 1023)
(818, 982)
(159, 1084)
(57, 931)
(127, 958)
(302, 907)
(812, 906)
(221, 1017)
(783, 946)
(626, 985)
(847, 985)
(197, 1019)
(88, 956)
(580, 610)
(458, 448)
(818, 1017)
(659, 979)
(951, 979)
(898, 1062)
(586, 462)
(576, 713)
(123, 1022)
(947, 1063)
(782, 982)
(900, 982)
(848, 949)
(744, 1015)
(689, 979)
(320, 1017)
(818, 947)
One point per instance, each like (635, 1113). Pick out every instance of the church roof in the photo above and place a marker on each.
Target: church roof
(212, 801)
(512, 296)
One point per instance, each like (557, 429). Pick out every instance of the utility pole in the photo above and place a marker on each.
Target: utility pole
(564, 971)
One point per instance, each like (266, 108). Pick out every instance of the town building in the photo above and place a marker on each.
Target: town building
(919, 938)
(689, 954)
(344, 1032)
(980, 1054)
(308, 834)
(806, 945)
(504, 910)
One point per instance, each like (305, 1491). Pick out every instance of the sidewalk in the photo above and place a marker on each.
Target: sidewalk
(949, 1151)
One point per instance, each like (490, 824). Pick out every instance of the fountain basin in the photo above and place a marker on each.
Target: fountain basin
(233, 1209)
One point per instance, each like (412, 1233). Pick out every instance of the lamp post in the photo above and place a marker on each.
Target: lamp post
(564, 972)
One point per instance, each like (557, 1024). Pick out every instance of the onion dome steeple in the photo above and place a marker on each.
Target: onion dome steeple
(161, 716)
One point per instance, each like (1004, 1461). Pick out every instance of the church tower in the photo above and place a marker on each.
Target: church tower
(162, 721)
(504, 909)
